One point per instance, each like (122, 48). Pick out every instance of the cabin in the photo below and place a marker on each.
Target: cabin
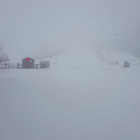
(28, 63)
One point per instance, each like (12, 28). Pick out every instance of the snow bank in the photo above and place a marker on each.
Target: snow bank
(79, 98)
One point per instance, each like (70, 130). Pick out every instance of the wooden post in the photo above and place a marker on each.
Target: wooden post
(5, 65)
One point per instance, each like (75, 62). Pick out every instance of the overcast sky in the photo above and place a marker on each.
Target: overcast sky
(31, 26)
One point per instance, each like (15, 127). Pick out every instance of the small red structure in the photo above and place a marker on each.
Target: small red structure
(27, 58)
(28, 63)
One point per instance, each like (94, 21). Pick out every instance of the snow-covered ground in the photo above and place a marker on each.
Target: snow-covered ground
(78, 98)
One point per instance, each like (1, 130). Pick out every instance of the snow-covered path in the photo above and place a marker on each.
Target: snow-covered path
(79, 98)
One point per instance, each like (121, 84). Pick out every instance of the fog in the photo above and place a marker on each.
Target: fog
(88, 93)
(29, 26)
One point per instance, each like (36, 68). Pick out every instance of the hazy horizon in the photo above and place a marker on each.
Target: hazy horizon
(30, 26)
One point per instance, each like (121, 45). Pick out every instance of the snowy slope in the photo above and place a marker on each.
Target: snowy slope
(79, 98)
